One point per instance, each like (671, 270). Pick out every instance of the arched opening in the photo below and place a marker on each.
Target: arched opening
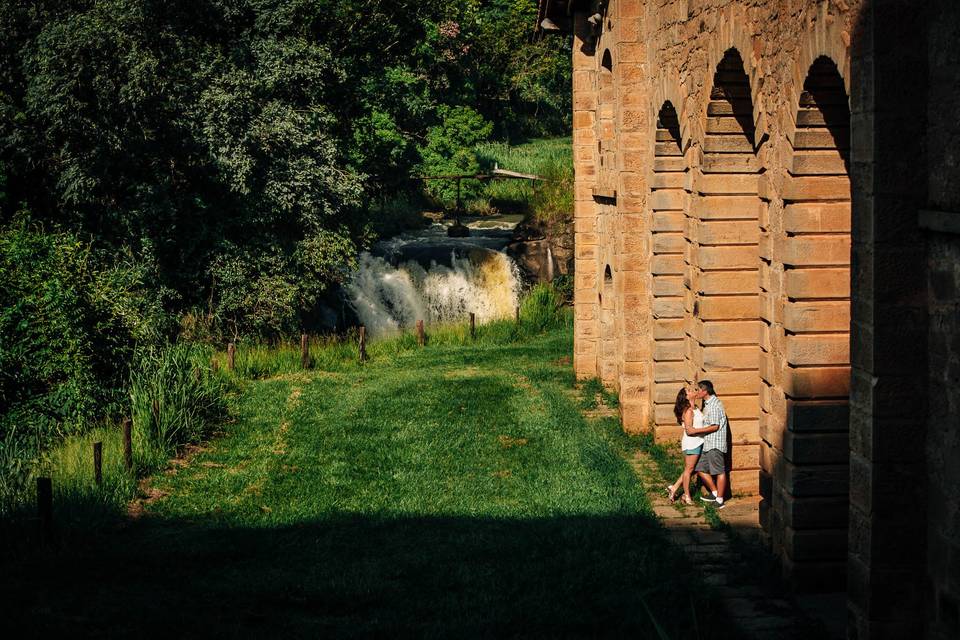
(667, 203)
(608, 355)
(808, 381)
(605, 121)
(724, 332)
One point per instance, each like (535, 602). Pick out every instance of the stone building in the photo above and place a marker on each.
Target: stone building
(768, 196)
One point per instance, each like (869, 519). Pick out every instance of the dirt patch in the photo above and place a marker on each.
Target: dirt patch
(255, 488)
(146, 495)
(508, 442)
(464, 372)
(565, 361)
(294, 398)
(503, 473)
(280, 443)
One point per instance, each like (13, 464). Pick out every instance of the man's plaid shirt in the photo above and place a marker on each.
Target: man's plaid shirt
(713, 413)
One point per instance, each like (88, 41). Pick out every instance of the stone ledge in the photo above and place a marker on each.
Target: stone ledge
(600, 193)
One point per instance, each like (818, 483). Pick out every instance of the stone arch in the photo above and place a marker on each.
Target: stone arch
(807, 373)
(733, 32)
(667, 89)
(723, 260)
(667, 201)
(826, 38)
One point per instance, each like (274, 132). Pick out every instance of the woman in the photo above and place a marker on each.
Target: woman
(688, 416)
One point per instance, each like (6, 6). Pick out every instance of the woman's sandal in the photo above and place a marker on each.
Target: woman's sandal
(672, 493)
(686, 500)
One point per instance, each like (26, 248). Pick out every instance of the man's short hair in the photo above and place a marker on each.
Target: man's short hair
(707, 386)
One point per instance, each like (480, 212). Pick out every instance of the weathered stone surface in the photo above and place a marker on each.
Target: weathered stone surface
(784, 213)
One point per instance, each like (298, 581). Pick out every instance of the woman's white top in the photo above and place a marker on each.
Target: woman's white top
(692, 442)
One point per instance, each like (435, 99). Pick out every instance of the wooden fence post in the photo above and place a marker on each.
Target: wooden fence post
(363, 344)
(98, 462)
(304, 351)
(516, 314)
(127, 444)
(473, 325)
(231, 355)
(45, 510)
(421, 339)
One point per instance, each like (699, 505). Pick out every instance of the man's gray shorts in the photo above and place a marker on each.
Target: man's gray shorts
(712, 462)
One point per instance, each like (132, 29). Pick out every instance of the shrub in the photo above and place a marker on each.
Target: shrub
(563, 284)
(450, 151)
(69, 322)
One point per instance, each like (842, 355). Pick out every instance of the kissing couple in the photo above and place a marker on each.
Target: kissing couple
(704, 442)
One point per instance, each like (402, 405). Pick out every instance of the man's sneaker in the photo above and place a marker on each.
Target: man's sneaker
(709, 498)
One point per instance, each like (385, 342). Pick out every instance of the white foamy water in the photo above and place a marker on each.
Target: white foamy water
(387, 298)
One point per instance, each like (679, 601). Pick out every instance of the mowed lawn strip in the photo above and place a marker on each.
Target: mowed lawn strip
(447, 492)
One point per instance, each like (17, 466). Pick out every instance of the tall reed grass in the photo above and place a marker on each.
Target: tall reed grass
(175, 396)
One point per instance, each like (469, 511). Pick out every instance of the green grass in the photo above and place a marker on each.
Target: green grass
(447, 491)
(550, 158)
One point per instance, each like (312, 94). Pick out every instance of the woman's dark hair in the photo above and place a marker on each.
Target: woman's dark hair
(681, 405)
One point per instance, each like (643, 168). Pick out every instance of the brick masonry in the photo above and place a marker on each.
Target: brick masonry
(748, 180)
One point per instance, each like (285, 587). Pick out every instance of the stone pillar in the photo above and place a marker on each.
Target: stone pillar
(805, 278)
(634, 130)
(887, 534)
(668, 203)
(943, 260)
(587, 268)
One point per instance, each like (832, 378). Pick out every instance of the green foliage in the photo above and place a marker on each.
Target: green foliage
(542, 307)
(175, 397)
(449, 152)
(553, 196)
(547, 200)
(195, 133)
(69, 322)
(564, 283)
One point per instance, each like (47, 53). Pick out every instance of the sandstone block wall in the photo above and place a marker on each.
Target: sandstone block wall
(764, 188)
(713, 203)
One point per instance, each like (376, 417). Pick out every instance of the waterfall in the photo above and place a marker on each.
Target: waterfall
(387, 297)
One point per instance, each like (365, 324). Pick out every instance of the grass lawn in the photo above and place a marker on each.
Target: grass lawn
(451, 491)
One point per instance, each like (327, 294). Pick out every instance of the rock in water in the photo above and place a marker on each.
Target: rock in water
(457, 230)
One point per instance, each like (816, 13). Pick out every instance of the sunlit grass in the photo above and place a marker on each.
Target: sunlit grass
(450, 490)
(551, 159)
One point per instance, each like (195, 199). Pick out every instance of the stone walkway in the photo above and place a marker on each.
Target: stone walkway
(720, 557)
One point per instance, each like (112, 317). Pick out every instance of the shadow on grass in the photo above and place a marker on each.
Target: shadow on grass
(361, 576)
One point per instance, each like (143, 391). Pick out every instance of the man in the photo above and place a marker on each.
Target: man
(713, 460)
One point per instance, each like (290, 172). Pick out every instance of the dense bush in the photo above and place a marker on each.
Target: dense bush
(449, 151)
(69, 322)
